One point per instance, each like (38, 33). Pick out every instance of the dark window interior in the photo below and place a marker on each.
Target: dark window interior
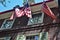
(35, 37)
(36, 18)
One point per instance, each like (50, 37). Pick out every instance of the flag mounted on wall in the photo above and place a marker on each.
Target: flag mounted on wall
(17, 13)
(47, 11)
(27, 10)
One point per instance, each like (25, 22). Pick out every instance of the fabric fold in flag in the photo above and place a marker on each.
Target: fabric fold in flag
(27, 10)
(17, 13)
(47, 11)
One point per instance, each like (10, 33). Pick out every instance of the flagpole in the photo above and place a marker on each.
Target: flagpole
(44, 1)
(29, 6)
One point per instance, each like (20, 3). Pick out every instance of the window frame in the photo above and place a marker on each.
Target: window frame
(42, 17)
(45, 34)
(31, 36)
(5, 22)
(39, 35)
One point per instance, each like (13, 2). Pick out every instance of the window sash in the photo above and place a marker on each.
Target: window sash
(39, 36)
(36, 19)
(4, 25)
(21, 37)
(33, 37)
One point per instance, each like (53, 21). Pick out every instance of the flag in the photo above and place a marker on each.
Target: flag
(47, 11)
(17, 13)
(27, 10)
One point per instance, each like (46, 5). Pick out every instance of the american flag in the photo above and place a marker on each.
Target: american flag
(27, 10)
(47, 11)
(20, 12)
(17, 13)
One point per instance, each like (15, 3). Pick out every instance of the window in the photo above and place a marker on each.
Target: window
(20, 37)
(5, 38)
(35, 37)
(7, 24)
(36, 18)
(40, 36)
(43, 36)
(24, 37)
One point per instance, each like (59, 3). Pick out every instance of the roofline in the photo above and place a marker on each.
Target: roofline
(22, 7)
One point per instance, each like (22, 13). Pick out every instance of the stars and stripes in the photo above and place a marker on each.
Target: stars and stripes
(47, 11)
(19, 12)
(27, 10)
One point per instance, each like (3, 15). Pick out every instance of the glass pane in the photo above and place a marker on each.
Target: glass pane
(36, 18)
(35, 37)
(20, 37)
(7, 24)
(7, 38)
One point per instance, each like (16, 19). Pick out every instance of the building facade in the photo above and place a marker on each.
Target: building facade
(39, 27)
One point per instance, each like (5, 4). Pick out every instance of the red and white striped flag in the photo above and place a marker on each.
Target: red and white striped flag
(47, 11)
(20, 12)
(17, 13)
(27, 10)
